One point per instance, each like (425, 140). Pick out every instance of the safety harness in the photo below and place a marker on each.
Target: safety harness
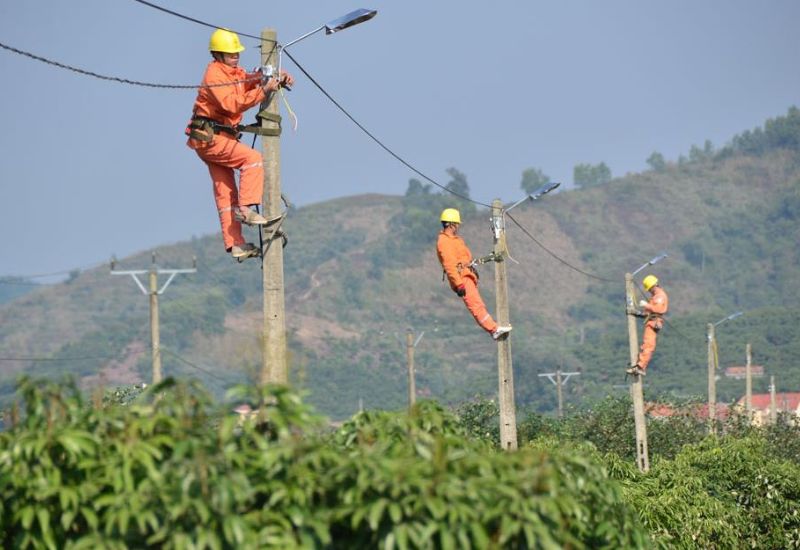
(203, 128)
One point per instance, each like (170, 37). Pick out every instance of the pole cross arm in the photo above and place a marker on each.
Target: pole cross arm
(564, 376)
(133, 275)
(172, 273)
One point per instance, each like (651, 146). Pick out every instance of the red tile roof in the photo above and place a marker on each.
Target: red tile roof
(784, 401)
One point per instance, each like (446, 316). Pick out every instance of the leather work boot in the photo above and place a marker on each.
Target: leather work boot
(251, 218)
(500, 331)
(244, 251)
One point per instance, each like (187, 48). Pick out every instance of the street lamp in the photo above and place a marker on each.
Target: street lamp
(543, 190)
(344, 22)
(642, 458)
(713, 364)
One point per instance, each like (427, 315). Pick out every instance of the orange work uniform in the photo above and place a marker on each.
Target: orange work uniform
(655, 308)
(455, 258)
(224, 154)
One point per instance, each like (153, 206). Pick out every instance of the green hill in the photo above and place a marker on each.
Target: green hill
(362, 270)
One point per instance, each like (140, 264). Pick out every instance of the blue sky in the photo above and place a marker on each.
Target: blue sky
(91, 168)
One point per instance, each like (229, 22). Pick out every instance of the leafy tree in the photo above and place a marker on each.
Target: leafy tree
(656, 162)
(533, 179)
(589, 175)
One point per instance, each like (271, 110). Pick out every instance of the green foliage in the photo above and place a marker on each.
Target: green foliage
(172, 470)
(656, 162)
(533, 179)
(729, 493)
(781, 132)
(589, 175)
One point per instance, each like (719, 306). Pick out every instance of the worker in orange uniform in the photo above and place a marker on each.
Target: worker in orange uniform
(456, 260)
(653, 311)
(227, 92)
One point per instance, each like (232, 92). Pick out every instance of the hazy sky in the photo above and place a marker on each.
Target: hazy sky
(90, 168)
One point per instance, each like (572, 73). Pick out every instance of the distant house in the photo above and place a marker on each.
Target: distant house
(788, 402)
(660, 411)
(738, 373)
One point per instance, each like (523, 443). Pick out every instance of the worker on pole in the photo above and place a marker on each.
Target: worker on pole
(653, 311)
(227, 91)
(458, 267)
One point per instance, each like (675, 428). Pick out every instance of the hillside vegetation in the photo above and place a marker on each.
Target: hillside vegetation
(362, 270)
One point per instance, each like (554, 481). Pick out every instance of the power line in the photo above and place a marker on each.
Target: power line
(199, 22)
(62, 359)
(554, 255)
(124, 80)
(375, 139)
(189, 363)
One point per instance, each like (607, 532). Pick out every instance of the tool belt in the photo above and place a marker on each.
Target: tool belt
(203, 128)
(658, 321)
(459, 267)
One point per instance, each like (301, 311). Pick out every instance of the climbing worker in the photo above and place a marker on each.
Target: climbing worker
(456, 260)
(653, 311)
(227, 91)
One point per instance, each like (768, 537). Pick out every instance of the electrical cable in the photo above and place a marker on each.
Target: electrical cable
(375, 139)
(199, 22)
(189, 363)
(60, 359)
(124, 80)
(554, 255)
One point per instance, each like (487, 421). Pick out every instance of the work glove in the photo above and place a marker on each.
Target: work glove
(461, 291)
(642, 303)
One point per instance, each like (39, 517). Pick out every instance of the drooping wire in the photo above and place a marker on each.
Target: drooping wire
(124, 80)
(63, 359)
(554, 255)
(199, 22)
(192, 365)
(375, 139)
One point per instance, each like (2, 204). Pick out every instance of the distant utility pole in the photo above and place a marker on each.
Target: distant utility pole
(637, 395)
(274, 368)
(773, 401)
(712, 379)
(713, 365)
(748, 384)
(411, 343)
(505, 373)
(559, 382)
(154, 292)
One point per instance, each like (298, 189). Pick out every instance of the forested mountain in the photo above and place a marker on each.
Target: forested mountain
(362, 270)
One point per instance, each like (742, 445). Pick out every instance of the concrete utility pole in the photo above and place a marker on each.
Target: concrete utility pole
(154, 292)
(274, 368)
(712, 379)
(559, 383)
(505, 372)
(412, 384)
(748, 384)
(637, 395)
(713, 365)
(773, 401)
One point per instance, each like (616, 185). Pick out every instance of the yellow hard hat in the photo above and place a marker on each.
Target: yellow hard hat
(649, 282)
(450, 215)
(225, 41)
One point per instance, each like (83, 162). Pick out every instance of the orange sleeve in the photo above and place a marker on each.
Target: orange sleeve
(658, 303)
(230, 98)
(448, 257)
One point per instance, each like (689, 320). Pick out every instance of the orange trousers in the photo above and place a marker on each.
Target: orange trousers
(648, 344)
(472, 299)
(223, 155)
